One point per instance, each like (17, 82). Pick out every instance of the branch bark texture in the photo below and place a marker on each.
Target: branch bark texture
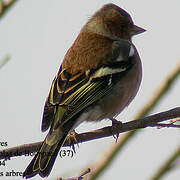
(149, 121)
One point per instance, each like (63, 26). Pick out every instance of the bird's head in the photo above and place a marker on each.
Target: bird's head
(113, 22)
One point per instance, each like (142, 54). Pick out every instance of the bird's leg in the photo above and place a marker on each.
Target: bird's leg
(115, 126)
(73, 140)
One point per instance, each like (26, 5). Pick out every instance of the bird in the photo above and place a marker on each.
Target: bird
(99, 76)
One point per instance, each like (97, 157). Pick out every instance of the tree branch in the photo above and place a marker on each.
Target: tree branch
(100, 133)
(166, 166)
(5, 6)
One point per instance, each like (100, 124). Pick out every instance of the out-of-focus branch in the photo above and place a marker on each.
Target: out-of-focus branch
(80, 177)
(100, 133)
(160, 92)
(4, 61)
(166, 166)
(5, 6)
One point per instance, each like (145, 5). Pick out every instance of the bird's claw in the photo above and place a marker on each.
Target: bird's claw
(115, 126)
(73, 140)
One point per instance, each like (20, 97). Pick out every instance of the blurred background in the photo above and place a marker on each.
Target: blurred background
(37, 34)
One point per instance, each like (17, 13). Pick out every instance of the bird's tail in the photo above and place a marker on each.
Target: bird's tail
(44, 160)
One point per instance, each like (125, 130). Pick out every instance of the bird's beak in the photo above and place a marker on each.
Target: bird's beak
(136, 30)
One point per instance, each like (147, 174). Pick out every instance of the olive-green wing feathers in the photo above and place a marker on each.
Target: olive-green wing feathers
(63, 86)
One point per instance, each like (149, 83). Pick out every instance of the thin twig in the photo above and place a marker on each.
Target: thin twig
(162, 125)
(80, 177)
(100, 133)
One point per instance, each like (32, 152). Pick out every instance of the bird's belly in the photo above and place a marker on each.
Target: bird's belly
(114, 102)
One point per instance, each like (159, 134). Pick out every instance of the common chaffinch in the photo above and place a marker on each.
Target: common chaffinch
(98, 78)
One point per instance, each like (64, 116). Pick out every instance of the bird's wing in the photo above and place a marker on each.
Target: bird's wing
(72, 94)
(63, 86)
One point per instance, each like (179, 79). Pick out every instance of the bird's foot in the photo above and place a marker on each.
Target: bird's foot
(115, 126)
(73, 140)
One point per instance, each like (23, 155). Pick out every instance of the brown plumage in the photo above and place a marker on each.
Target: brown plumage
(82, 57)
